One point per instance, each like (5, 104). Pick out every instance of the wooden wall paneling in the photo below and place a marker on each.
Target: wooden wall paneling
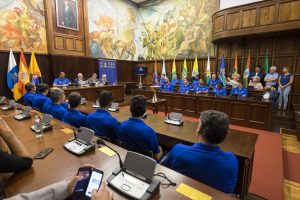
(221, 105)
(233, 20)
(296, 88)
(248, 18)
(297, 65)
(256, 116)
(259, 17)
(190, 106)
(238, 111)
(289, 11)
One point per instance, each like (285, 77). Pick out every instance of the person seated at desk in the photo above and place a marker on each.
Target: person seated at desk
(103, 80)
(195, 82)
(234, 81)
(256, 84)
(63, 190)
(201, 88)
(167, 86)
(79, 81)
(240, 90)
(219, 90)
(185, 87)
(13, 154)
(162, 79)
(257, 72)
(175, 80)
(205, 161)
(271, 78)
(214, 80)
(135, 133)
(102, 122)
(74, 117)
(93, 80)
(273, 95)
(41, 98)
(61, 80)
(30, 94)
(55, 108)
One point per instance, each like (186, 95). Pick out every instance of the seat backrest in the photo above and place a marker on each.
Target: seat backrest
(144, 152)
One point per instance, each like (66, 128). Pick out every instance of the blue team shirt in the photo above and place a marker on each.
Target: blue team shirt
(162, 81)
(200, 88)
(195, 83)
(206, 163)
(59, 81)
(136, 134)
(184, 88)
(221, 92)
(56, 110)
(240, 92)
(174, 82)
(28, 98)
(167, 87)
(75, 118)
(214, 82)
(104, 124)
(48, 102)
(39, 101)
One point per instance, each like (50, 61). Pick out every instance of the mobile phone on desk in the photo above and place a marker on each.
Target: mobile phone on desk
(91, 179)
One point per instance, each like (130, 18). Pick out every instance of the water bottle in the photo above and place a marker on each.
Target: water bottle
(38, 127)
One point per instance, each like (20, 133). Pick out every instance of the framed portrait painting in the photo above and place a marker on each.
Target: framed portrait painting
(67, 14)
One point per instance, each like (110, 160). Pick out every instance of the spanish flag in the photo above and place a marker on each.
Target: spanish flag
(23, 77)
(12, 76)
(34, 70)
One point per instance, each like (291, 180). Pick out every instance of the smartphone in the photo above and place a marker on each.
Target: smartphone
(92, 179)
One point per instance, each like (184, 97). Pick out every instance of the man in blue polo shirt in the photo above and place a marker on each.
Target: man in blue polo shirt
(162, 79)
(39, 101)
(205, 161)
(74, 117)
(135, 133)
(240, 90)
(185, 87)
(219, 90)
(175, 80)
(214, 80)
(30, 94)
(167, 86)
(55, 108)
(101, 121)
(201, 88)
(61, 80)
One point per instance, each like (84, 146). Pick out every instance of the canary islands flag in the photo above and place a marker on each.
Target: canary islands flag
(35, 73)
(12, 76)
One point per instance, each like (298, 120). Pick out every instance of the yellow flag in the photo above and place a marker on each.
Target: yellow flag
(34, 70)
(195, 71)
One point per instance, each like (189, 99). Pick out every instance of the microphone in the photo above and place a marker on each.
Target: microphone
(100, 141)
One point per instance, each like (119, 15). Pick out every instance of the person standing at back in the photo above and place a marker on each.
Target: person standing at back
(101, 121)
(30, 94)
(285, 82)
(39, 101)
(55, 108)
(205, 161)
(135, 134)
(74, 117)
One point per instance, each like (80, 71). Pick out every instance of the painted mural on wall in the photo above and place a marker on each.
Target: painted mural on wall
(179, 28)
(22, 24)
(113, 29)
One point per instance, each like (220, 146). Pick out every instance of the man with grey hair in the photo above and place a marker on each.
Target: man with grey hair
(205, 161)
(79, 81)
(271, 78)
(55, 107)
(103, 79)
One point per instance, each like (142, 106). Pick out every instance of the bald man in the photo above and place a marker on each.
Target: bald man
(61, 80)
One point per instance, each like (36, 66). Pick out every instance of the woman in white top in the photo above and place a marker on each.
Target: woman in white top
(256, 84)
(234, 81)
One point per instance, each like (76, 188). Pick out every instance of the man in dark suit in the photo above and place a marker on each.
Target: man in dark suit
(68, 16)
(258, 73)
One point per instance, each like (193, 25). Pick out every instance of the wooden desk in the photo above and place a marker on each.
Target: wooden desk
(242, 144)
(155, 105)
(92, 93)
(244, 112)
(60, 165)
(296, 109)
